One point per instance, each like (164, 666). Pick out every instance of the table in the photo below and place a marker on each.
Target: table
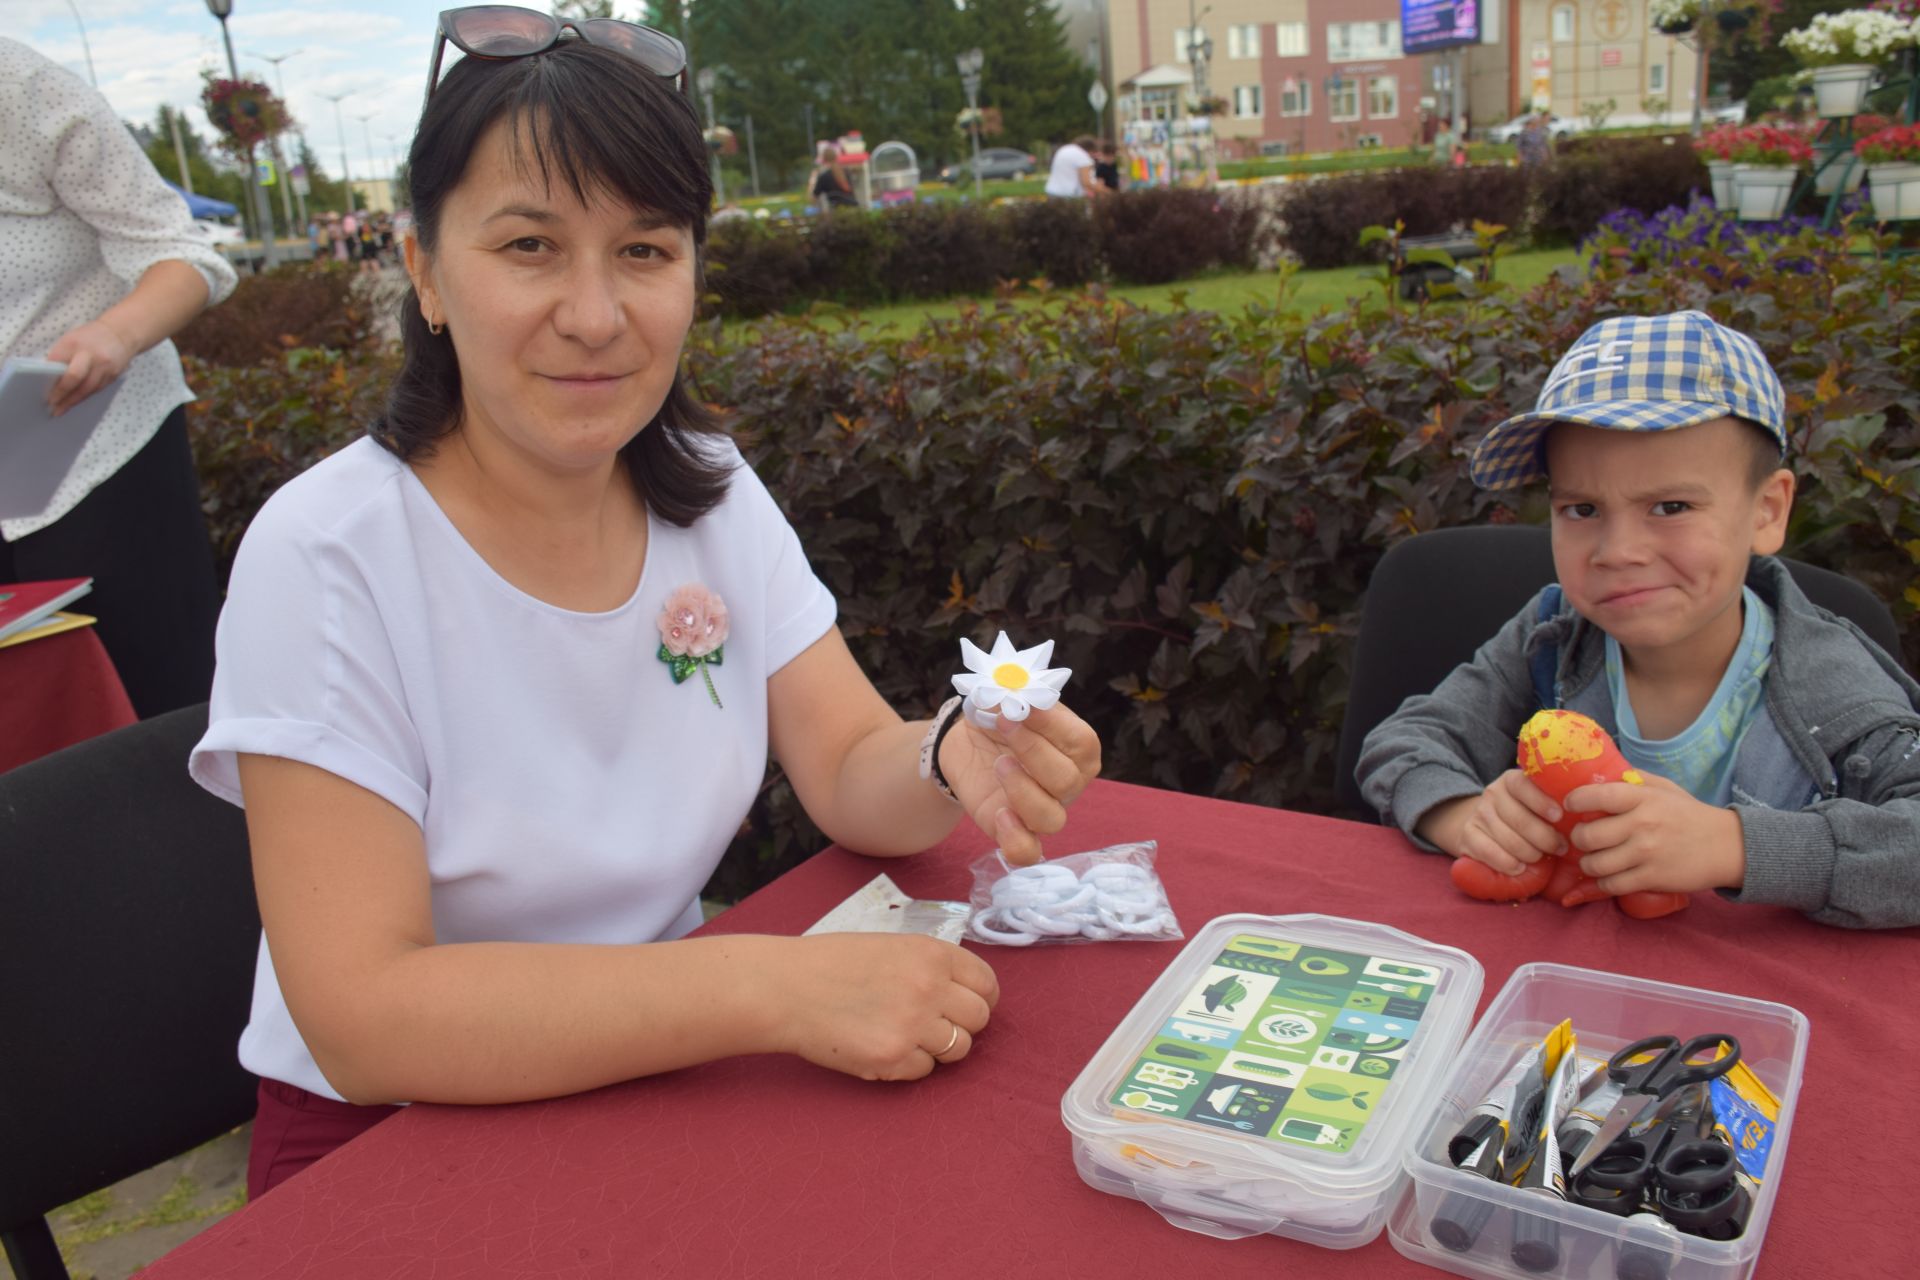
(768, 1166)
(56, 691)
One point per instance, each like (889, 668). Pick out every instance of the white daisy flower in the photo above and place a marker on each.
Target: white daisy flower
(1007, 681)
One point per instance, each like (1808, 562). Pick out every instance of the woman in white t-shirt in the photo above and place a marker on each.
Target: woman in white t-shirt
(497, 685)
(1071, 175)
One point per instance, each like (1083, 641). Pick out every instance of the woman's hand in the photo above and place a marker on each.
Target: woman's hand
(94, 355)
(1017, 781)
(885, 1006)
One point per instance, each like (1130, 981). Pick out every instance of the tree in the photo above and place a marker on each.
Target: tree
(581, 10)
(215, 180)
(1038, 84)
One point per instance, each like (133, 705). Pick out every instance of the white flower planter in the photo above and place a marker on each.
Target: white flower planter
(1896, 191)
(1720, 178)
(1761, 191)
(1846, 173)
(1841, 91)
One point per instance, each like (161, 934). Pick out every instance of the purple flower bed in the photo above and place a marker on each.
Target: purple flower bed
(1712, 241)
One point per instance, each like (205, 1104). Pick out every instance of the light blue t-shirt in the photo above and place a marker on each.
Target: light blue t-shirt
(1700, 758)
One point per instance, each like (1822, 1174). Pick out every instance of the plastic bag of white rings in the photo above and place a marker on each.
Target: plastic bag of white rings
(1106, 895)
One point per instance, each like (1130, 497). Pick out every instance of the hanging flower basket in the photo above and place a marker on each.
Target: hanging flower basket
(1761, 191)
(1895, 189)
(1720, 178)
(1673, 17)
(1892, 159)
(1845, 173)
(1841, 91)
(244, 112)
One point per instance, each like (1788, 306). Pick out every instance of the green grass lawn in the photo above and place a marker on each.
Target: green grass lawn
(1311, 291)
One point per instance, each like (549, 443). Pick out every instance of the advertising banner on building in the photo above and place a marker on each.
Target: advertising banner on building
(1541, 97)
(1428, 25)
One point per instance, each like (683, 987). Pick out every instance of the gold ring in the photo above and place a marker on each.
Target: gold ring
(952, 1040)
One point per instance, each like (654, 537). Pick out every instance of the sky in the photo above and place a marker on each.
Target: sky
(149, 52)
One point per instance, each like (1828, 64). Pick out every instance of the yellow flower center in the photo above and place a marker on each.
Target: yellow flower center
(1010, 675)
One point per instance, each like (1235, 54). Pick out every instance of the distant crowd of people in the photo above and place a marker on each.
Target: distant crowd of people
(365, 238)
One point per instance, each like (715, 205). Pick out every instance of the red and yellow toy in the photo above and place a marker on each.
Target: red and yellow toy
(1560, 751)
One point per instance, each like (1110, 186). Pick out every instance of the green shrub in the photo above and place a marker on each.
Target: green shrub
(255, 427)
(1323, 218)
(1189, 504)
(939, 249)
(1575, 192)
(295, 306)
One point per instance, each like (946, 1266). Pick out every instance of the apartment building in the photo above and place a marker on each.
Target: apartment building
(1321, 75)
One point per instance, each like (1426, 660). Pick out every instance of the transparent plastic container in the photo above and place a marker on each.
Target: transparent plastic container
(1609, 1012)
(1272, 1079)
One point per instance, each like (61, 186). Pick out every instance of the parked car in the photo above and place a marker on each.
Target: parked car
(1558, 127)
(218, 232)
(995, 162)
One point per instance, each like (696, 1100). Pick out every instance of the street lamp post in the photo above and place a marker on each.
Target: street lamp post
(705, 81)
(1199, 49)
(222, 9)
(373, 163)
(287, 194)
(85, 47)
(346, 174)
(970, 64)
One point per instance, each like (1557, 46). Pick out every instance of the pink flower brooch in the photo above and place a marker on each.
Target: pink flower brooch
(693, 629)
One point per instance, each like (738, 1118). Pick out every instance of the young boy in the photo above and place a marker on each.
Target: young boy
(1780, 746)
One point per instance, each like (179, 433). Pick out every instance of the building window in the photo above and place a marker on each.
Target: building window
(1563, 24)
(1442, 77)
(1656, 78)
(1383, 97)
(1243, 41)
(1368, 140)
(1182, 37)
(1357, 41)
(1343, 100)
(1246, 101)
(1290, 40)
(1296, 98)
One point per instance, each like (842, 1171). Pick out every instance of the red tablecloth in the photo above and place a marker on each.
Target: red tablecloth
(771, 1167)
(55, 692)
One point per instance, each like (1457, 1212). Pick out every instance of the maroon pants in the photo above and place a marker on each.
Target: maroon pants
(294, 1128)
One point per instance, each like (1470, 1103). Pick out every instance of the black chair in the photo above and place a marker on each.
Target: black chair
(127, 940)
(1436, 597)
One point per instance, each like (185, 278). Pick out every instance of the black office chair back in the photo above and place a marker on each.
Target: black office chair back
(128, 933)
(1437, 597)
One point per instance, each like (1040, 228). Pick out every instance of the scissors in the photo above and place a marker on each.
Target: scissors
(1647, 1071)
(1673, 1168)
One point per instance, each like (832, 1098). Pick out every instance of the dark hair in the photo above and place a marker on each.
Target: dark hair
(1764, 454)
(604, 125)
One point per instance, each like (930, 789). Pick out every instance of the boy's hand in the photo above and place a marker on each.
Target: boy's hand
(1657, 837)
(1506, 826)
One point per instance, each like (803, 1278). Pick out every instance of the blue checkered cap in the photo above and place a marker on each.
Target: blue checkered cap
(1639, 373)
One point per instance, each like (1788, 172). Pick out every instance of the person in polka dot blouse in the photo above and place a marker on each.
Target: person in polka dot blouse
(100, 264)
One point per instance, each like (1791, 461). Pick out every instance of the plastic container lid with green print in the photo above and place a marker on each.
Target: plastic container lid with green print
(1271, 1080)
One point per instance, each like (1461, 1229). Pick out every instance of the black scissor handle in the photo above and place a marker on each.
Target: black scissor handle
(1695, 1168)
(1661, 1064)
(1694, 1063)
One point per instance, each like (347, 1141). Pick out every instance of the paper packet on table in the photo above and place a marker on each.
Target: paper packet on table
(879, 906)
(1103, 895)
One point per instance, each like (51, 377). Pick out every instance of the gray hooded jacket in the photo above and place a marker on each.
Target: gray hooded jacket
(1827, 782)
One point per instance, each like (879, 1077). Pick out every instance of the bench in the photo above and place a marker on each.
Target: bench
(1417, 277)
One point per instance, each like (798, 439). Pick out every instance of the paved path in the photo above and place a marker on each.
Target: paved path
(111, 1234)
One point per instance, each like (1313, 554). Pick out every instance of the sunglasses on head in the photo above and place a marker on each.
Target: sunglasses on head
(503, 31)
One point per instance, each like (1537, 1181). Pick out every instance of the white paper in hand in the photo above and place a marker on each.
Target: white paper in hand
(36, 449)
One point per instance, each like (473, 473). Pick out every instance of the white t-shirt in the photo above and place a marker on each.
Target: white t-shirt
(567, 788)
(83, 216)
(1064, 178)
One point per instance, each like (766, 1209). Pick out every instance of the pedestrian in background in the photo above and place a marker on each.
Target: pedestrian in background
(1071, 176)
(1534, 145)
(1106, 164)
(830, 187)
